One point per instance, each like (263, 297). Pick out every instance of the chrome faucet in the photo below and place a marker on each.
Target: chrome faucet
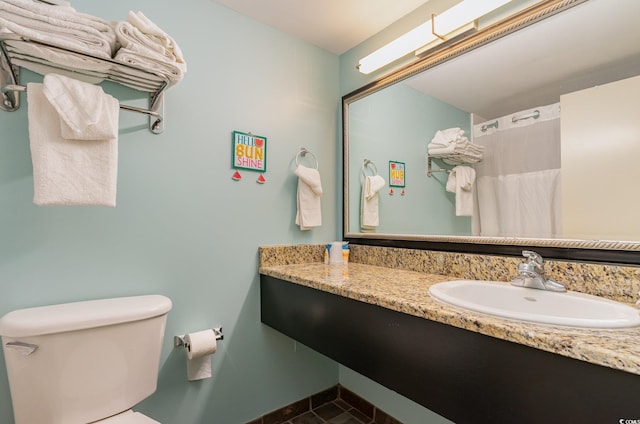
(531, 274)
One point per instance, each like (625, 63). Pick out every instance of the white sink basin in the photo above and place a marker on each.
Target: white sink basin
(568, 309)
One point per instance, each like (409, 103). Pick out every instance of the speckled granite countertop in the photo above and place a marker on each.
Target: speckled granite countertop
(408, 292)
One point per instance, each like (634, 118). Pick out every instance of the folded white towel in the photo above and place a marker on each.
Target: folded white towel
(60, 15)
(43, 54)
(443, 138)
(145, 45)
(58, 26)
(157, 39)
(460, 182)
(166, 70)
(59, 37)
(72, 171)
(309, 211)
(369, 205)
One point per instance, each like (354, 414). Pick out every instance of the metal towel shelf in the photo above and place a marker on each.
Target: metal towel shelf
(121, 73)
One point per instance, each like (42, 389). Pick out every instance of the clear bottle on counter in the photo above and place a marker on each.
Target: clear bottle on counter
(345, 253)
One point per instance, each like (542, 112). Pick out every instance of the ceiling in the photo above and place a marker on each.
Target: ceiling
(334, 25)
(534, 75)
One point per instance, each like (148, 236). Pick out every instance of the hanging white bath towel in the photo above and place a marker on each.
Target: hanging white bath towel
(309, 210)
(73, 132)
(460, 182)
(369, 205)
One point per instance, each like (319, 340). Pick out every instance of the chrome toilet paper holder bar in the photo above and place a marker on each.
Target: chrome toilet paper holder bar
(179, 340)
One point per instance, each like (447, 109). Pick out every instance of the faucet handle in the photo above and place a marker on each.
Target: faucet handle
(533, 257)
(534, 262)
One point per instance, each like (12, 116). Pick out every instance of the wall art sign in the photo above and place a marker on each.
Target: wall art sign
(249, 151)
(396, 174)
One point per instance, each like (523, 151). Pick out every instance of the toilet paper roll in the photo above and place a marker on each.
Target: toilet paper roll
(200, 346)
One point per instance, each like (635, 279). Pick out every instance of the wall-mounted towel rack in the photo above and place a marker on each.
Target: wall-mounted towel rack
(22, 88)
(118, 72)
(303, 153)
(451, 159)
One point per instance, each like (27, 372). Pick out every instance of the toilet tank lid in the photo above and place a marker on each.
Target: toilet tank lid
(82, 315)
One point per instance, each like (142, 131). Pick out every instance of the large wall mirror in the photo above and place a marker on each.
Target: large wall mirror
(552, 94)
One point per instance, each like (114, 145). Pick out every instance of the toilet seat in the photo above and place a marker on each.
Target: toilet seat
(128, 417)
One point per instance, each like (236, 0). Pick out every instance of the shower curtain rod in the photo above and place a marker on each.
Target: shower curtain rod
(535, 115)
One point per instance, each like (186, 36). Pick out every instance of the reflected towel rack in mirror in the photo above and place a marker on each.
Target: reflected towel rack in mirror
(451, 159)
(118, 72)
(368, 163)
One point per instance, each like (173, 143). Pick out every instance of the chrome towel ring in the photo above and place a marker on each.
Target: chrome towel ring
(368, 163)
(304, 152)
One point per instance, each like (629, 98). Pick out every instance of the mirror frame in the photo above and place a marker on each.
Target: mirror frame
(610, 251)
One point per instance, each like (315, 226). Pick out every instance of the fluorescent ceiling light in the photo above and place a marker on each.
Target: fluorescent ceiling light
(431, 31)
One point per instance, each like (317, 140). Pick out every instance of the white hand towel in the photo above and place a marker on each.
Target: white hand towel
(369, 205)
(309, 211)
(460, 182)
(85, 111)
(71, 171)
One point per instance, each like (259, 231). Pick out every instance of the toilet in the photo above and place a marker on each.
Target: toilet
(84, 362)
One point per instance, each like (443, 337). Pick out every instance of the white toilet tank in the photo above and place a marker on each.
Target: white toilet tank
(85, 361)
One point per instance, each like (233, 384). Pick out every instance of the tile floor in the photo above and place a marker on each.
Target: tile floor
(336, 412)
(336, 405)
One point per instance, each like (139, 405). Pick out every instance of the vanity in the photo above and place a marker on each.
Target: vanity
(376, 315)
(469, 367)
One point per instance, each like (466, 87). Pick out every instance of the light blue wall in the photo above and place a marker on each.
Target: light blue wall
(396, 124)
(182, 226)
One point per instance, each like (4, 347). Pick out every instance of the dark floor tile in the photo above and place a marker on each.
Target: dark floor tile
(287, 413)
(324, 397)
(342, 404)
(357, 402)
(308, 418)
(328, 411)
(344, 418)
(359, 415)
(336, 405)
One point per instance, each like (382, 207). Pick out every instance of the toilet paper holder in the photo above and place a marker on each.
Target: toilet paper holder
(179, 340)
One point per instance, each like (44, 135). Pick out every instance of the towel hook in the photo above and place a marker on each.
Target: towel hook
(366, 163)
(302, 153)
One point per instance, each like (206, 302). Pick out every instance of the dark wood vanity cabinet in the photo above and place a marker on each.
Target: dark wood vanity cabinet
(464, 376)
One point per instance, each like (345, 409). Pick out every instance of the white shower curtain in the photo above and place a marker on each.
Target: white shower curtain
(518, 181)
